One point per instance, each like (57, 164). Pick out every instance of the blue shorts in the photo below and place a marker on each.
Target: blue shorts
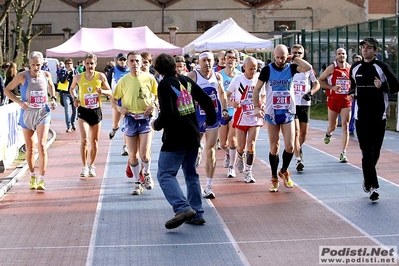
(279, 119)
(33, 117)
(133, 127)
(203, 127)
(225, 122)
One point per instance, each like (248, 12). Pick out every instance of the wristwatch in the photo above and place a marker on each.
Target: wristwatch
(54, 98)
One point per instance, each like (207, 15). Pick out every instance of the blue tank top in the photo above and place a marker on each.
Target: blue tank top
(210, 86)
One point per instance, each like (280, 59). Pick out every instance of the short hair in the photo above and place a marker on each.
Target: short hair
(133, 53)
(146, 56)
(91, 56)
(69, 60)
(164, 64)
(36, 55)
(179, 58)
(298, 46)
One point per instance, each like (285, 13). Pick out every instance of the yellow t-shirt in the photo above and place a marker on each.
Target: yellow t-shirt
(136, 92)
(88, 96)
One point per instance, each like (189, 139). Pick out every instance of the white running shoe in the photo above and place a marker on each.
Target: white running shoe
(148, 183)
(249, 178)
(208, 193)
(240, 163)
(231, 172)
(92, 171)
(226, 161)
(199, 157)
(85, 172)
(138, 189)
(125, 151)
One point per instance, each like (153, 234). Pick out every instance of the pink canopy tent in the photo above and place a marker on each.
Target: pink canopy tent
(108, 42)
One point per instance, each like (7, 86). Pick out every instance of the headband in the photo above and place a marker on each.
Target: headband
(206, 55)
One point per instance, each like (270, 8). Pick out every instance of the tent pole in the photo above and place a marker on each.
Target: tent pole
(80, 17)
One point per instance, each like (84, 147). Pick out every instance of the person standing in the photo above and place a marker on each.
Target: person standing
(11, 72)
(212, 83)
(279, 110)
(305, 85)
(227, 135)
(65, 78)
(181, 139)
(35, 85)
(92, 85)
(371, 81)
(113, 76)
(137, 92)
(245, 123)
(335, 80)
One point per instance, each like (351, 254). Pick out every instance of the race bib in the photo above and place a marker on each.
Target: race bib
(37, 99)
(281, 100)
(299, 87)
(91, 100)
(345, 85)
(247, 107)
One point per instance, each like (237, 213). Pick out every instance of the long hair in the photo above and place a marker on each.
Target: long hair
(11, 70)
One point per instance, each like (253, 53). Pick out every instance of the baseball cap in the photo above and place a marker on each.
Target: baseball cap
(121, 55)
(370, 41)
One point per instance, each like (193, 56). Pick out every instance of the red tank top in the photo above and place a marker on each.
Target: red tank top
(340, 76)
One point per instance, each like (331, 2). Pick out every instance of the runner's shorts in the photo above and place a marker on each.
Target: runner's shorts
(91, 116)
(336, 104)
(135, 126)
(33, 117)
(302, 113)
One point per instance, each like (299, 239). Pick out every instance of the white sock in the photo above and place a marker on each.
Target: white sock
(208, 181)
(41, 177)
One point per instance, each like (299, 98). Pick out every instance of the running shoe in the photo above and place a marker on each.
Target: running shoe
(364, 187)
(33, 182)
(138, 189)
(299, 166)
(148, 182)
(374, 194)
(125, 151)
(199, 157)
(274, 184)
(226, 161)
(342, 157)
(69, 130)
(249, 178)
(327, 138)
(129, 173)
(208, 193)
(286, 178)
(240, 163)
(73, 127)
(231, 173)
(141, 177)
(113, 132)
(41, 185)
(85, 172)
(92, 171)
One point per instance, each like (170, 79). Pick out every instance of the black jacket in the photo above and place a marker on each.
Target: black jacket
(179, 123)
(372, 102)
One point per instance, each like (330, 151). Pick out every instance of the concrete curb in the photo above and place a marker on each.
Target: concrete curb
(20, 170)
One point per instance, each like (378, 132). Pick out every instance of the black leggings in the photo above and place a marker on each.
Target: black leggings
(370, 135)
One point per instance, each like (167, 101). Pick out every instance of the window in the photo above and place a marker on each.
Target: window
(122, 24)
(45, 28)
(205, 25)
(291, 25)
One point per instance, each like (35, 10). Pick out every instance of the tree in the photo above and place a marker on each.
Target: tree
(5, 11)
(23, 38)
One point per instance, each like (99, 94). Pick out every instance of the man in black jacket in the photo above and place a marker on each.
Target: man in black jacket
(177, 95)
(371, 81)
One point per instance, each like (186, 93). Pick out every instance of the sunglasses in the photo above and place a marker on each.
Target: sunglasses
(122, 59)
(230, 57)
(297, 52)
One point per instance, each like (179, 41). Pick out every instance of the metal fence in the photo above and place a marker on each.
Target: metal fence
(320, 46)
